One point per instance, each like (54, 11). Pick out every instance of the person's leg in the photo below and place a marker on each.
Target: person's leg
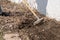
(0, 10)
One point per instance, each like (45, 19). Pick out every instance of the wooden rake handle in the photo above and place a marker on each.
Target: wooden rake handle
(27, 5)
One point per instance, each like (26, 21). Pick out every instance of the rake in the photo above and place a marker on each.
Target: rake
(38, 19)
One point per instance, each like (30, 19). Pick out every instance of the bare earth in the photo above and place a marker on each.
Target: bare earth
(18, 19)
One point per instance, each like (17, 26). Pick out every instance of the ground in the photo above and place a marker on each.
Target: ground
(18, 19)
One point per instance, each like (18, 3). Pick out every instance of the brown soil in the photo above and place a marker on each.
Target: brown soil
(20, 19)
